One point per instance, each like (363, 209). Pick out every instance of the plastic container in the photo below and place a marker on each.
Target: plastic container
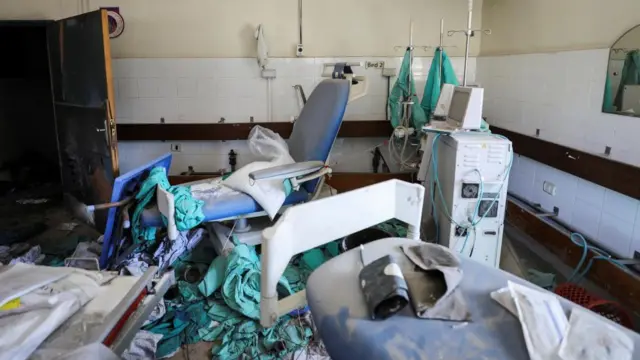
(609, 309)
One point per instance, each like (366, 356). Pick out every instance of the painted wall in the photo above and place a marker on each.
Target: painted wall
(524, 26)
(536, 79)
(224, 28)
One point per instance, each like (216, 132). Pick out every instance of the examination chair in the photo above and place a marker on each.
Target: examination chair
(335, 298)
(312, 137)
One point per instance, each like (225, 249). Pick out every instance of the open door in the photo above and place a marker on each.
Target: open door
(82, 85)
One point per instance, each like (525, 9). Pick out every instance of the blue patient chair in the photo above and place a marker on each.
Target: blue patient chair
(313, 135)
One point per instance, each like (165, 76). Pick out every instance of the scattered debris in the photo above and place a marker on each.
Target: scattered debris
(33, 256)
(67, 226)
(32, 201)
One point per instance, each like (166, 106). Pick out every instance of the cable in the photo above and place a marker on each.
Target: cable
(600, 255)
(475, 213)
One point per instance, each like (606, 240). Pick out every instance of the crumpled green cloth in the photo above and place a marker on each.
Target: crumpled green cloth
(241, 286)
(214, 277)
(394, 227)
(404, 87)
(188, 291)
(228, 315)
(544, 280)
(188, 211)
(181, 324)
(236, 336)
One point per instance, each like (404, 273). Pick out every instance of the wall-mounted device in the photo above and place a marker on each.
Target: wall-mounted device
(359, 84)
(473, 172)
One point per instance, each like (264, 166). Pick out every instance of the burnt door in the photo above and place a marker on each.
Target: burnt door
(82, 85)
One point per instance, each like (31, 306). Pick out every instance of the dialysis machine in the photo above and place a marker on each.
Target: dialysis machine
(473, 170)
(469, 170)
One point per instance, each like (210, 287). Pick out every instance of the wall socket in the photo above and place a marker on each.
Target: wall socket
(176, 147)
(549, 188)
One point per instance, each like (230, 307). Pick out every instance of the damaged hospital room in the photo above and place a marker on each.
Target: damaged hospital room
(319, 179)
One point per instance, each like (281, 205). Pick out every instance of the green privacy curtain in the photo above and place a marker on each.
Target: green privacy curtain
(630, 76)
(436, 80)
(403, 88)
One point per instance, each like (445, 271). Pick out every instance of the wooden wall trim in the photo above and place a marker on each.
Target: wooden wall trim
(350, 181)
(624, 286)
(205, 132)
(611, 174)
(340, 181)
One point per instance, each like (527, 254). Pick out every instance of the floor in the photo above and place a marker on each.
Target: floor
(38, 217)
(198, 351)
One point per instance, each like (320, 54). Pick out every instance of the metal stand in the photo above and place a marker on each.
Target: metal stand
(441, 46)
(469, 32)
(408, 101)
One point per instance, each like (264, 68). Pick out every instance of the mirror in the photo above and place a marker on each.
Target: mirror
(622, 87)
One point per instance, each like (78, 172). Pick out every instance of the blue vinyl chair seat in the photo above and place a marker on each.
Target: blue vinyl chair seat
(227, 205)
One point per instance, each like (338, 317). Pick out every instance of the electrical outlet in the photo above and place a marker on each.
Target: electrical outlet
(549, 188)
(176, 147)
(374, 64)
(299, 50)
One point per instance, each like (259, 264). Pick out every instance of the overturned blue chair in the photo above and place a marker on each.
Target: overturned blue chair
(310, 143)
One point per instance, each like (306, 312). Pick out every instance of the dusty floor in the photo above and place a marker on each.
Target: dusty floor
(37, 217)
(199, 351)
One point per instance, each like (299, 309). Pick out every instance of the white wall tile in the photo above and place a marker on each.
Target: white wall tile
(620, 206)
(590, 193)
(615, 234)
(187, 87)
(635, 241)
(157, 87)
(237, 68)
(239, 87)
(207, 88)
(586, 218)
(127, 88)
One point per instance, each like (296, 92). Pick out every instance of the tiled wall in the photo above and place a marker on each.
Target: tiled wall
(561, 94)
(204, 90)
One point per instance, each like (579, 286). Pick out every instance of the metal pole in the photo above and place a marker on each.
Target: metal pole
(300, 20)
(441, 50)
(410, 49)
(468, 34)
(409, 100)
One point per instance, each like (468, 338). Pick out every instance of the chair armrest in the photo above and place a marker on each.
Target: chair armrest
(287, 171)
(315, 223)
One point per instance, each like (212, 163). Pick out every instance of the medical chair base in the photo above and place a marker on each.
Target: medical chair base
(223, 238)
(306, 226)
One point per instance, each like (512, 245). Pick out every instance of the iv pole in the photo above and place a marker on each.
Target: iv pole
(408, 101)
(469, 32)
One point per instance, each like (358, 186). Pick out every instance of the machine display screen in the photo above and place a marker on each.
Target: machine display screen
(459, 104)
